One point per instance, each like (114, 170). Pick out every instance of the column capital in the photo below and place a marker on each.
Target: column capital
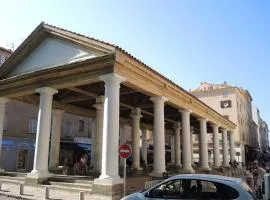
(177, 125)
(224, 130)
(214, 125)
(99, 105)
(46, 91)
(201, 119)
(113, 78)
(136, 113)
(185, 111)
(157, 99)
(4, 100)
(230, 132)
(57, 112)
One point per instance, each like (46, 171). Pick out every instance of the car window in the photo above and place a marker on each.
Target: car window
(192, 189)
(168, 190)
(247, 188)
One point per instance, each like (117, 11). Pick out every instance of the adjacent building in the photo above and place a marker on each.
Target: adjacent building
(264, 135)
(235, 104)
(4, 54)
(19, 136)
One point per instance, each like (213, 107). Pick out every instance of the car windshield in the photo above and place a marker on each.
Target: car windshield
(247, 188)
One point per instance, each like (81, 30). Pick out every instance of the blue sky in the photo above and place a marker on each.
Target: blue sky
(187, 41)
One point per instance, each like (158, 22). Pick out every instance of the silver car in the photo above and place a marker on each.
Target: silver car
(196, 186)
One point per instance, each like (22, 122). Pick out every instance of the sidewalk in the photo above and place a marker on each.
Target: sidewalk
(31, 192)
(38, 192)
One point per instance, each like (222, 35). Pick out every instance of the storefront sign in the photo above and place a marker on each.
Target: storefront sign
(83, 140)
(7, 143)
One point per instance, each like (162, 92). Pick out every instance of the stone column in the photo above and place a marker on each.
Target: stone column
(40, 168)
(232, 148)
(159, 136)
(191, 148)
(99, 105)
(225, 148)
(186, 141)
(177, 145)
(136, 116)
(172, 149)
(55, 138)
(216, 146)
(3, 102)
(203, 145)
(110, 145)
(144, 146)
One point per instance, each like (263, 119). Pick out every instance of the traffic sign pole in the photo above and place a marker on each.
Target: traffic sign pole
(125, 175)
(124, 152)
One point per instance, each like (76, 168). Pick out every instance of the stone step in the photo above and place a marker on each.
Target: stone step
(13, 178)
(84, 182)
(69, 189)
(71, 179)
(78, 186)
(2, 180)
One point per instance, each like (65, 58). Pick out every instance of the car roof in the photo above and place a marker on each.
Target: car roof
(209, 177)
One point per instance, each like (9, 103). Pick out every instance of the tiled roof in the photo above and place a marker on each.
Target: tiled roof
(134, 58)
(6, 50)
(122, 50)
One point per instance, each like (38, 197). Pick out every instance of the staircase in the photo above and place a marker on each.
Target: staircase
(71, 185)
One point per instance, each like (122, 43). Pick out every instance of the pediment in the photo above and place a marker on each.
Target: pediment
(53, 52)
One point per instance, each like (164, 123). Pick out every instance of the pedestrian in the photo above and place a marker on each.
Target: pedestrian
(249, 179)
(255, 174)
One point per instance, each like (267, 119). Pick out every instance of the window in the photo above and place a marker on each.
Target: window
(192, 189)
(225, 94)
(22, 159)
(68, 129)
(226, 104)
(81, 125)
(247, 188)
(32, 125)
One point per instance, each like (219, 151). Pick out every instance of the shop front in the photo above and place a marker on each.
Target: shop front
(17, 154)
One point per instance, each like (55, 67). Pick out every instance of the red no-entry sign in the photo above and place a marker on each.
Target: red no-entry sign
(124, 151)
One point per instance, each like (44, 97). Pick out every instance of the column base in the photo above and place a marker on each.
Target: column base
(110, 188)
(157, 174)
(207, 169)
(187, 171)
(178, 168)
(137, 169)
(37, 177)
(216, 167)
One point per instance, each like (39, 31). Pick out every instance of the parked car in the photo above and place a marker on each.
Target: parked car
(196, 186)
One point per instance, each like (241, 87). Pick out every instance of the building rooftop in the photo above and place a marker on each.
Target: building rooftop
(205, 87)
(6, 50)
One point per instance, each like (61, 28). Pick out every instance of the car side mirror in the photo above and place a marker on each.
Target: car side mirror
(147, 194)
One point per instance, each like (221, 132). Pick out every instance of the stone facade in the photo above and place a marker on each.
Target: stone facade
(20, 133)
(264, 134)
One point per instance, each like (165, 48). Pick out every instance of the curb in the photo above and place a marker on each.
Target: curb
(14, 196)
